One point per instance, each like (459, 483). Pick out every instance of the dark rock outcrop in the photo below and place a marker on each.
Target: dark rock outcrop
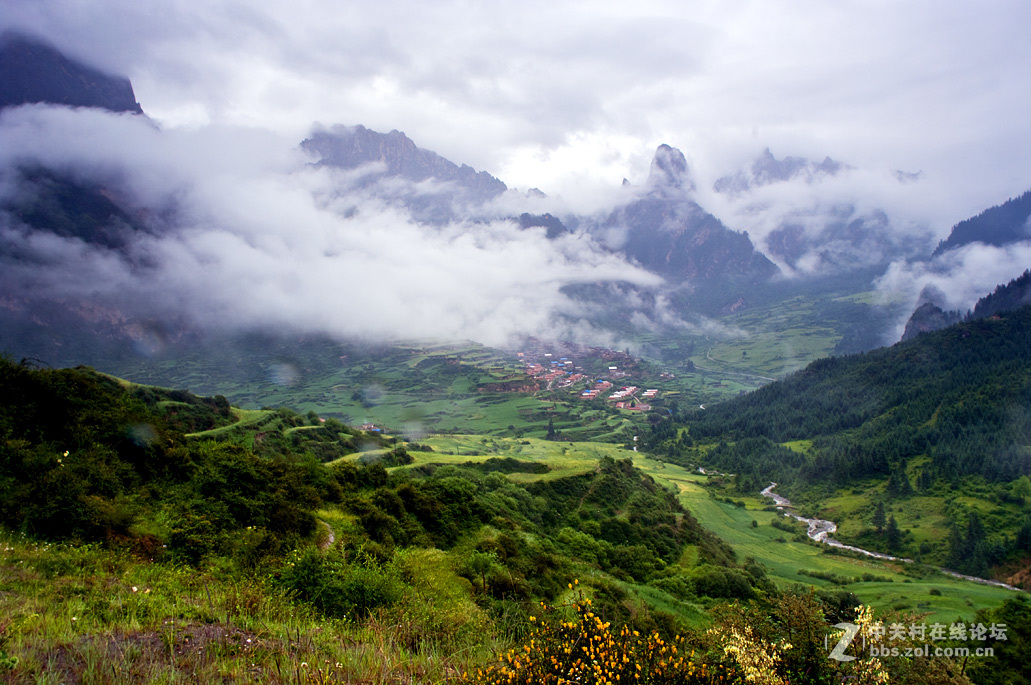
(353, 147)
(32, 71)
(667, 232)
(928, 317)
(1001, 225)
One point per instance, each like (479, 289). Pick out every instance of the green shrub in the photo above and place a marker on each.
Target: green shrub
(340, 588)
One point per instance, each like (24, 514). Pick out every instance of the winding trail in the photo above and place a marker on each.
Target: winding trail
(330, 538)
(821, 529)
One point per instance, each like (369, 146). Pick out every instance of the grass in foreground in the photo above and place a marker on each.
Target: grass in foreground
(84, 614)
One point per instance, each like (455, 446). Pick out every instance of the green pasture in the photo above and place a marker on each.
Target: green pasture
(245, 418)
(563, 458)
(911, 585)
(913, 588)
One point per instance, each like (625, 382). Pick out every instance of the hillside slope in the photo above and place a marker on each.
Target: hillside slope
(935, 431)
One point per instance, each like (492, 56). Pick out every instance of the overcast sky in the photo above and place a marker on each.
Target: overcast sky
(568, 97)
(573, 96)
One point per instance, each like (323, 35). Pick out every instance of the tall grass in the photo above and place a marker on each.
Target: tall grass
(84, 614)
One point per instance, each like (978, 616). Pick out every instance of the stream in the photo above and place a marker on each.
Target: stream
(820, 531)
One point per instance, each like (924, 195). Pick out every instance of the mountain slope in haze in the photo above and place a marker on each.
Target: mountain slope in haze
(52, 202)
(36, 72)
(999, 226)
(805, 222)
(79, 204)
(1003, 224)
(667, 232)
(68, 204)
(930, 317)
(56, 217)
(767, 169)
(437, 189)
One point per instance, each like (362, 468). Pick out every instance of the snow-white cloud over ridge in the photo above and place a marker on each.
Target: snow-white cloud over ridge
(260, 237)
(958, 278)
(569, 96)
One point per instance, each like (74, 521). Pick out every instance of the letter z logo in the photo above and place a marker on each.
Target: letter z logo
(838, 652)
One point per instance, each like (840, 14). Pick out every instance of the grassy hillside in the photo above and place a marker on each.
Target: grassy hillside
(155, 536)
(123, 533)
(933, 434)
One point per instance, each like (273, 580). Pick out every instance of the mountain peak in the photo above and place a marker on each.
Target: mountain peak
(767, 169)
(398, 157)
(33, 71)
(669, 171)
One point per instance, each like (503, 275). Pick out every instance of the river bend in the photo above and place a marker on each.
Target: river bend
(820, 530)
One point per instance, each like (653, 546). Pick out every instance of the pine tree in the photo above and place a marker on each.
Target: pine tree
(878, 517)
(892, 535)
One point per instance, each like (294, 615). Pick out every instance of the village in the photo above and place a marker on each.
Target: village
(558, 370)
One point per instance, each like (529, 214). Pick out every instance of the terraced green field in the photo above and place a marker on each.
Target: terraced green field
(789, 561)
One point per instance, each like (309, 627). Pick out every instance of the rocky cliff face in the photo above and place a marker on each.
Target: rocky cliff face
(395, 155)
(669, 233)
(32, 71)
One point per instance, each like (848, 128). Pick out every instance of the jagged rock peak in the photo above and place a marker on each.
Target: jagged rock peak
(350, 147)
(34, 71)
(928, 317)
(767, 169)
(669, 171)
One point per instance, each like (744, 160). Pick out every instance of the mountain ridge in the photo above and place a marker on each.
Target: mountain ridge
(998, 225)
(37, 72)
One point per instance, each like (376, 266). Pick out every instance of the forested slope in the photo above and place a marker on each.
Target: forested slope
(961, 395)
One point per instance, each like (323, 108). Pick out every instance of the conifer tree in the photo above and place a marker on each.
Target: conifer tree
(892, 534)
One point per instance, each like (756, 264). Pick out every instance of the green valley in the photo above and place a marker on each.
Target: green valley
(188, 535)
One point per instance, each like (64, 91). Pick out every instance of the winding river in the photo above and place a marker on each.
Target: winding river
(820, 530)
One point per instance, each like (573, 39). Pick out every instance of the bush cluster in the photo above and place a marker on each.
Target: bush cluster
(585, 649)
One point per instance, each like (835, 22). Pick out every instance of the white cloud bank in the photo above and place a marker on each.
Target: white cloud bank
(573, 96)
(258, 237)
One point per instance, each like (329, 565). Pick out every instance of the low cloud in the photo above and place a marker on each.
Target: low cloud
(958, 278)
(254, 236)
(820, 225)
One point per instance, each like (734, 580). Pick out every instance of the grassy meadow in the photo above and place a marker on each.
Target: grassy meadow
(788, 556)
(87, 614)
(791, 558)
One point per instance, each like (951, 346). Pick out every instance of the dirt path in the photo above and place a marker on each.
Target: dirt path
(330, 537)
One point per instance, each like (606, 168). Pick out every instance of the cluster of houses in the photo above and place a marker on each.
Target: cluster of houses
(563, 370)
(627, 398)
(599, 387)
